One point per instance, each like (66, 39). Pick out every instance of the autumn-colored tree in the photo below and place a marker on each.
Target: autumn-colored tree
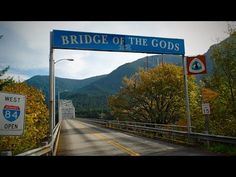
(36, 120)
(223, 81)
(156, 95)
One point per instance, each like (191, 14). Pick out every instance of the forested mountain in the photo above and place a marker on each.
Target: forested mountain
(62, 84)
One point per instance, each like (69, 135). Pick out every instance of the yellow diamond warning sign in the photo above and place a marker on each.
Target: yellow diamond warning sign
(208, 94)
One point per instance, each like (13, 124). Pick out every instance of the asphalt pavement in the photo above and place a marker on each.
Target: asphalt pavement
(78, 138)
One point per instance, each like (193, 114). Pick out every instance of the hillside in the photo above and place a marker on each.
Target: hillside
(112, 82)
(62, 84)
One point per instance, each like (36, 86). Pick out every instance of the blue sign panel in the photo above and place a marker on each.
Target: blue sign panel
(11, 113)
(113, 42)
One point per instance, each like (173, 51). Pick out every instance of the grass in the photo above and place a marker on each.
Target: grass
(223, 148)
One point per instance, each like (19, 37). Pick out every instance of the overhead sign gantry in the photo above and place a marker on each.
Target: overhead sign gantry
(77, 40)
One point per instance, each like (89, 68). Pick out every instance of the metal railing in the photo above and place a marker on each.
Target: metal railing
(170, 132)
(48, 149)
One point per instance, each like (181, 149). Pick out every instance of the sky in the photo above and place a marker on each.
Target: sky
(24, 46)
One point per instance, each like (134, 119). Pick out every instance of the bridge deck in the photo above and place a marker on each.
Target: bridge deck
(82, 139)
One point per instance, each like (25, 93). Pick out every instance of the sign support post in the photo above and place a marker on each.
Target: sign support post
(207, 123)
(206, 111)
(207, 127)
(51, 91)
(186, 95)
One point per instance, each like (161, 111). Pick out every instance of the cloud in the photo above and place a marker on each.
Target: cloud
(90, 63)
(15, 51)
(16, 76)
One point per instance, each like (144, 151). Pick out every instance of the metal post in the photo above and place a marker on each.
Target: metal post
(147, 63)
(162, 59)
(207, 128)
(54, 96)
(59, 113)
(156, 61)
(207, 123)
(51, 91)
(186, 94)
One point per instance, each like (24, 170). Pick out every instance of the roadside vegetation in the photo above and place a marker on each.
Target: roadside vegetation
(36, 117)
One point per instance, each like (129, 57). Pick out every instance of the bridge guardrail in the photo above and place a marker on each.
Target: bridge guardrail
(173, 131)
(50, 148)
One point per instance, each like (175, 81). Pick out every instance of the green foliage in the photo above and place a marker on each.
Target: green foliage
(223, 81)
(36, 120)
(90, 106)
(156, 95)
(62, 84)
(2, 72)
(6, 81)
(223, 148)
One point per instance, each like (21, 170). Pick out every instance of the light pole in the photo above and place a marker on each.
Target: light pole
(52, 89)
(58, 101)
(69, 59)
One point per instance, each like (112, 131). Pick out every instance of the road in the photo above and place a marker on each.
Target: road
(83, 139)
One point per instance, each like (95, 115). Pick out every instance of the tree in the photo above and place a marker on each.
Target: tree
(6, 81)
(223, 80)
(156, 95)
(36, 127)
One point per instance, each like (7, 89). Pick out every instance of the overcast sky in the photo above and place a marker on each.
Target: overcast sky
(24, 46)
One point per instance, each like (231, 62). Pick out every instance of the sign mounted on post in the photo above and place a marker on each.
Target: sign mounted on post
(196, 65)
(12, 113)
(206, 108)
(113, 42)
(208, 94)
